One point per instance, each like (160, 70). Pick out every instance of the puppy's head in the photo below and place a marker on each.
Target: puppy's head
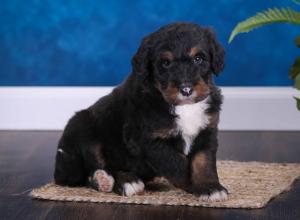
(179, 60)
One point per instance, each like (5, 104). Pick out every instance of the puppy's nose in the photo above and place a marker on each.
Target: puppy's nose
(186, 90)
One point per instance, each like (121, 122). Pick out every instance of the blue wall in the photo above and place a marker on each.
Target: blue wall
(90, 43)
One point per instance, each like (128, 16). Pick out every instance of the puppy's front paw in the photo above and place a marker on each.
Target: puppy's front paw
(102, 181)
(215, 196)
(127, 184)
(133, 188)
(211, 192)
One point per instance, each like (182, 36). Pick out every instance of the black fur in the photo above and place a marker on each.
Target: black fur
(117, 132)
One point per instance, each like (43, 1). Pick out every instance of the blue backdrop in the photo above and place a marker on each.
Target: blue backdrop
(91, 42)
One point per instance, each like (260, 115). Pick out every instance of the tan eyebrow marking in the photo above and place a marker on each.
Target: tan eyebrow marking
(167, 55)
(194, 51)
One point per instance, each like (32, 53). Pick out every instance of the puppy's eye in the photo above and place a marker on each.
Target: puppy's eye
(165, 63)
(197, 59)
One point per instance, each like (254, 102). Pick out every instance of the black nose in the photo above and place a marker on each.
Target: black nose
(186, 90)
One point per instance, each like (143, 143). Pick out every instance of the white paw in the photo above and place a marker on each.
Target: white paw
(214, 197)
(133, 188)
(104, 181)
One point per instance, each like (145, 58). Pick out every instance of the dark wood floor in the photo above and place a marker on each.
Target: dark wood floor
(27, 159)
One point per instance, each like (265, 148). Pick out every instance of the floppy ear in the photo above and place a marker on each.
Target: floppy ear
(141, 60)
(217, 53)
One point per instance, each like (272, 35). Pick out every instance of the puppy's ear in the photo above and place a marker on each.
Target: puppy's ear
(217, 53)
(141, 60)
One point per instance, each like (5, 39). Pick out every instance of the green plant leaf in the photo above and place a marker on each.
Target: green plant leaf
(296, 2)
(297, 82)
(295, 69)
(298, 103)
(269, 16)
(297, 41)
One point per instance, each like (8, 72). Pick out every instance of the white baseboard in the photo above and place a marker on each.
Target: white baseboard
(49, 108)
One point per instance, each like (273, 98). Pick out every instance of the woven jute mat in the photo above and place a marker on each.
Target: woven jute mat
(250, 185)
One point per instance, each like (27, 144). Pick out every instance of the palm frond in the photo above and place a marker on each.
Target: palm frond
(269, 16)
(297, 103)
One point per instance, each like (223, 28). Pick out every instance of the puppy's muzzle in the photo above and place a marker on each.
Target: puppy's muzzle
(186, 89)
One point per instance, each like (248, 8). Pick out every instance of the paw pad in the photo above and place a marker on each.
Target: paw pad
(103, 181)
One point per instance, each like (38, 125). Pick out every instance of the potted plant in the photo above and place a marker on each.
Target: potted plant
(271, 16)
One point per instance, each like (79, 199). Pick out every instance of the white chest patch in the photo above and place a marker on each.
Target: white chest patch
(191, 119)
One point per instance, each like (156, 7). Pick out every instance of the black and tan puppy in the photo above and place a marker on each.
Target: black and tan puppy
(162, 121)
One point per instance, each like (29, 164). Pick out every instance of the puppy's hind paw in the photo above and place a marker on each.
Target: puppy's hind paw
(102, 181)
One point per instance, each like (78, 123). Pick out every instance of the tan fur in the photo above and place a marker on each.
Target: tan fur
(197, 165)
(168, 55)
(194, 51)
(170, 93)
(98, 155)
(163, 133)
(214, 120)
(201, 89)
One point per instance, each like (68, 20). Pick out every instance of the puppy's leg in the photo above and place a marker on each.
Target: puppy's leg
(166, 161)
(79, 159)
(204, 177)
(127, 184)
(69, 164)
(94, 161)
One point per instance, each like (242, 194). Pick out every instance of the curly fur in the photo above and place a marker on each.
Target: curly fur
(133, 133)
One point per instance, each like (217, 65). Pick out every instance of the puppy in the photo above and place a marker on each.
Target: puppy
(162, 121)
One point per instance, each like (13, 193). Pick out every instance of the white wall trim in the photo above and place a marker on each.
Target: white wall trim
(49, 108)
